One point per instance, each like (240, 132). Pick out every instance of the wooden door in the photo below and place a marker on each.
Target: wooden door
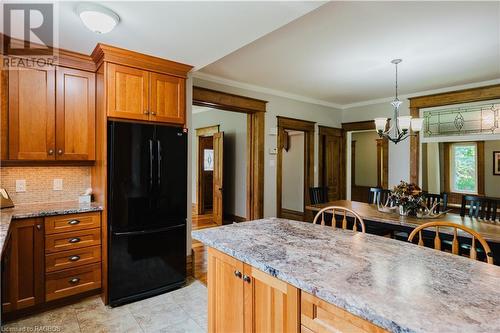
(167, 99)
(332, 172)
(128, 92)
(205, 174)
(32, 113)
(75, 114)
(225, 293)
(218, 202)
(22, 266)
(271, 305)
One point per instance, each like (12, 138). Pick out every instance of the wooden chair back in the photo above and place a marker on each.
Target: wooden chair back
(378, 195)
(455, 245)
(440, 199)
(344, 212)
(480, 207)
(318, 195)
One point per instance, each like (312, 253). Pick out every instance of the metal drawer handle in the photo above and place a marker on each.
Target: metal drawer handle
(74, 240)
(74, 280)
(246, 278)
(237, 274)
(74, 258)
(74, 222)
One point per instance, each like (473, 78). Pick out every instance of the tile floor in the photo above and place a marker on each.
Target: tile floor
(179, 311)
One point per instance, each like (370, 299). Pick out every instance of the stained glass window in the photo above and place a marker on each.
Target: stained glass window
(208, 159)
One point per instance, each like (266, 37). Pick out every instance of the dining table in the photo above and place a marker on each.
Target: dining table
(370, 213)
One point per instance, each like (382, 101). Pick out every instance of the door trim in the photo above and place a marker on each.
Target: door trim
(308, 127)
(255, 110)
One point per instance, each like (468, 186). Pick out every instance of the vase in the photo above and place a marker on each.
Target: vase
(403, 211)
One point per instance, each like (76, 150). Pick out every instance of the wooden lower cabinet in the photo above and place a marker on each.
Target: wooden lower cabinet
(46, 259)
(244, 299)
(22, 266)
(320, 316)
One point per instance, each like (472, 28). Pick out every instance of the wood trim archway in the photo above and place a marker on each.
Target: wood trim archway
(255, 109)
(448, 98)
(384, 157)
(307, 127)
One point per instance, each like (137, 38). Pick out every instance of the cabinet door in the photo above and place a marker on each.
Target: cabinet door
(167, 99)
(271, 305)
(23, 271)
(225, 293)
(31, 113)
(128, 92)
(75, 114)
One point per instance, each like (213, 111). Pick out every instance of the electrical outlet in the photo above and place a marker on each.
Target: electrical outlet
(21, 185)
(58, 184)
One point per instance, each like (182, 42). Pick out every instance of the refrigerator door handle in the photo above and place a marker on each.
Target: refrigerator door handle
(158, 142)
(150, 164)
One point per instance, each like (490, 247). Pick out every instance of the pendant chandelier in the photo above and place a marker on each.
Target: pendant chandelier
(399, 128)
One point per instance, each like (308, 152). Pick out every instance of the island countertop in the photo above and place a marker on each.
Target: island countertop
(396, 285)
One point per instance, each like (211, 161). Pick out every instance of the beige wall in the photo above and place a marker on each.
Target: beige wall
(234, 126)
(278, 106)
(293, 173)
(491, 182)
(39, 183)
(365, 158)
(433, 168)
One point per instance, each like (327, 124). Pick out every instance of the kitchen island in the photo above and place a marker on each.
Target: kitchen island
(320, 279)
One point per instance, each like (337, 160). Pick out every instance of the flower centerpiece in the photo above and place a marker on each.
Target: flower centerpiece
(409, 197)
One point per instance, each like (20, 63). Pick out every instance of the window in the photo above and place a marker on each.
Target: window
(208, 160)
(464, 176)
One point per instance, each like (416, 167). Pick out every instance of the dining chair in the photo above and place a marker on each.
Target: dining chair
(483, 208)
(430, 199)
(440, 199)
(378, 195)
(334, 211)
(455, 248)
(318, 195)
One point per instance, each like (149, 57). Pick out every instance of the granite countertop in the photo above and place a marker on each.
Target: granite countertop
(399, 286)
(40, 210)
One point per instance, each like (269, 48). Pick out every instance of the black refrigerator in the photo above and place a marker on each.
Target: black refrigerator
(147, 207)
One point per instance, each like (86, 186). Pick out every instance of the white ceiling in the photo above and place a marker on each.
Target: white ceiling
(195, 33)
(340, 53)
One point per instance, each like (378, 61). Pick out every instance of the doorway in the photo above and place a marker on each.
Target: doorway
(330, 170)
(366, 160)
(295, 167)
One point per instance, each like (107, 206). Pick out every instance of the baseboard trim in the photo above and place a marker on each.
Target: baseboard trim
(234, 218)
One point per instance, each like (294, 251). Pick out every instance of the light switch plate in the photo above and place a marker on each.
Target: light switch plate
(58, 184)
(21, 185)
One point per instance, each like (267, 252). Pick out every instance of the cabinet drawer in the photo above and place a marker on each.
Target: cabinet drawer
(72, 258)
(72, 240)
(72, 281)
(72, 222)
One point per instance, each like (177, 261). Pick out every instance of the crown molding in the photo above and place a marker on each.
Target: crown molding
(252, 87)
(422, 93)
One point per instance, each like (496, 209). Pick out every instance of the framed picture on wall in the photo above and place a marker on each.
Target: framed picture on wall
(496, 163)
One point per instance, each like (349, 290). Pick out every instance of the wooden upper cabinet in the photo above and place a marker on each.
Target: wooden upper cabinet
(23, 266)
(75, 114)
(167, 98)
(128, 92)
(32, 113)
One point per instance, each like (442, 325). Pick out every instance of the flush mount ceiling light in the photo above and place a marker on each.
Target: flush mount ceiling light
(400, 127)
(97, 18)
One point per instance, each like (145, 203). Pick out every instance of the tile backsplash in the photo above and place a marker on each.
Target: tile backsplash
(40, 183)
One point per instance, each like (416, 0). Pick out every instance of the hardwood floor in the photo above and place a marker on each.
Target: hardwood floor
(203, 221)
(200, 261)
